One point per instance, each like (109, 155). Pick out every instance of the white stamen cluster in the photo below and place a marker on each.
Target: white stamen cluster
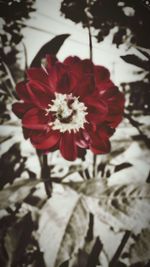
(62, 110)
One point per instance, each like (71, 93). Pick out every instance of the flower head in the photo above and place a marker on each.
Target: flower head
(71, 106)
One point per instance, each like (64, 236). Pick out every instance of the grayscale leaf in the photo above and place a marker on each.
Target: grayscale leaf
(62, 230)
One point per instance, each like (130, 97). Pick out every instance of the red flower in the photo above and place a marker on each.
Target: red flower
(69, 106)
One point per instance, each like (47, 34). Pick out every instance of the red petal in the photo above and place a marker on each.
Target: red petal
(68, 146)
(75, 66)
(44, 141)
(64, 84)
(104, 86)
(101, 74)
(82, 139)
(72, 60)
(113, 121)
(37, 74)
(102, 148)
(38, 93)
(100, 141)
(85, 86)
(20, 108)
(51, 61)
(97, 109)
(116, 108)
(88, 66)
(61, 80)
(22, 92)
(35, 119)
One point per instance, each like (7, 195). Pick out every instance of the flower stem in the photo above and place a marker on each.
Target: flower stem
(45, 174)
(90, 42)
(93, 81)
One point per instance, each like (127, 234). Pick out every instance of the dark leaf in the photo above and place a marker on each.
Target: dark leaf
(144, 52)
(65, 264)
(148, 178)
(94, 255)
(120, 264)
(89, 236)
(122, 166)
(135, 60)
(88, 256)
(51, 47)
(12, 165)
(17, 238)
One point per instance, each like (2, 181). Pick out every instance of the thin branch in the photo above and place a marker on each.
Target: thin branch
(25, 56)
(90, 42)
(45, 173)
(94, 166)
(9, 74)
(11, 79)
(115, 258)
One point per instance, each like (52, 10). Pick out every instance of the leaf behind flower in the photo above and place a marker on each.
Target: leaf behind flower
(52, 47)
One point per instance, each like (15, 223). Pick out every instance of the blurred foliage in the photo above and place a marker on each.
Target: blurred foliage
(128, 22)
(13, 14)
(139, 90)
(130, 18)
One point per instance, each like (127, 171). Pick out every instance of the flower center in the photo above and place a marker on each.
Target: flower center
(68, 113)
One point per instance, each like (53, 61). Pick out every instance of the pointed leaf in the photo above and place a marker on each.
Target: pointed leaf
(51, 47)
(62, 227)
(65, 264)
(122, 166)
(135, 60)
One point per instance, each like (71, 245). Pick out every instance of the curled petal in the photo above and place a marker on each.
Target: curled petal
(39, 96)
(84, 87)
(82, 138)
(38, 74)
(100, 141)
(22, 92)
(101, 74)
(88, 66)
(20, 108)
(51, 61)
(61, 80)
(104, 86)
(97, 109)
(74, 65)
(35, 119)
(44, 141)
